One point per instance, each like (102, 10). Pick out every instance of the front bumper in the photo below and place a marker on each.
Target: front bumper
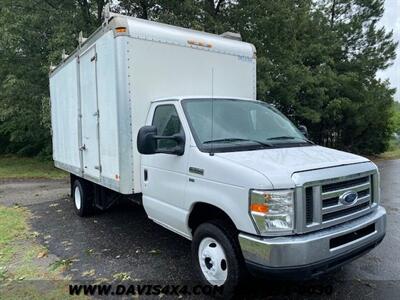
(317, 252)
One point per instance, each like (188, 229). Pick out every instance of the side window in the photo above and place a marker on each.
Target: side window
(167, 122)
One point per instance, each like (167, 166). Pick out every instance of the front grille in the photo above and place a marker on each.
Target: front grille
(363, 193)
(344, 184)
(344, 212)
(335, 200)
(330, 202)
(324, 201)
(309, 205)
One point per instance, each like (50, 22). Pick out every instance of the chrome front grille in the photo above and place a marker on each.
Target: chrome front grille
(323, 206)
(334, 187)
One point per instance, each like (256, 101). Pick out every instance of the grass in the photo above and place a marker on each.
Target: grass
(12, 226)
(24, 271)
(392, 153)
(12, 167)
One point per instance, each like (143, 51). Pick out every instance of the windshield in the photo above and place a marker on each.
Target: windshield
(229, 125)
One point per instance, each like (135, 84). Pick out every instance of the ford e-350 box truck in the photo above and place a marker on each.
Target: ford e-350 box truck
(168, 117)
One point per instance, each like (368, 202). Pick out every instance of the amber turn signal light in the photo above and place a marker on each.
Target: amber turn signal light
(259, 207)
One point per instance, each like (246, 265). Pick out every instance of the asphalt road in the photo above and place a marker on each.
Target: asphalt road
(123, 244)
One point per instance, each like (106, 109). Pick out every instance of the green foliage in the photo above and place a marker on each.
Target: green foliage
(396, 117)
(317, 61)
(31, 35)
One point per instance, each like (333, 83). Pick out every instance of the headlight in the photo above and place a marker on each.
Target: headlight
(272, 211)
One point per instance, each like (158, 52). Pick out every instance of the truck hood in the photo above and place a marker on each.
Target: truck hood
(278, 165)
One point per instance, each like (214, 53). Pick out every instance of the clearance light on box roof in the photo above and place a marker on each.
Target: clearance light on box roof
(120, 29)
(198, 43)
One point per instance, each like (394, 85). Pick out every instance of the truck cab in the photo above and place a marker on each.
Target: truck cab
(252, 192)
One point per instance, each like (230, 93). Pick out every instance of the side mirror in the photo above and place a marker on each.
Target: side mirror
(147, 142)
(303, 129)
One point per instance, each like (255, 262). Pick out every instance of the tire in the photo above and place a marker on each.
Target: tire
(217, 256)
(82, 197)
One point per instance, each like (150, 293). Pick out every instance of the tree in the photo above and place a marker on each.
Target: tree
(294, 53)
(32, 35)
(206, 15)
(316, 61)
(396, 117)
(363, 102)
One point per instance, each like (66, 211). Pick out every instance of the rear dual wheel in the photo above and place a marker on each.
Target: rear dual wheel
(82, 195)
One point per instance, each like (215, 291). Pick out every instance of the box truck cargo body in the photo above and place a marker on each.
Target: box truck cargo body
(100, 95)
(168, 117)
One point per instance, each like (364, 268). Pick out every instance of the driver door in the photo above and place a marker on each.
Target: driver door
(164, 176)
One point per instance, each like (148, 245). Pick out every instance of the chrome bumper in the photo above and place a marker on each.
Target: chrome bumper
(295, 252)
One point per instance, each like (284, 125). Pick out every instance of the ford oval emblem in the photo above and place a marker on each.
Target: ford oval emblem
(348, 198)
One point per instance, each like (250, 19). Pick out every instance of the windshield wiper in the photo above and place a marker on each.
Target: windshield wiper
(283, 137)
(290, 138)
(237, 140)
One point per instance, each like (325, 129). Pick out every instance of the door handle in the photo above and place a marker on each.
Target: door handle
(83, 148)
(145, 175)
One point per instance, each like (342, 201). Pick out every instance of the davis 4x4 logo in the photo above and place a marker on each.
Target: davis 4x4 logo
(147, 290)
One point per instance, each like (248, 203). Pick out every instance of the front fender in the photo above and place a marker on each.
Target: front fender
(232, 200)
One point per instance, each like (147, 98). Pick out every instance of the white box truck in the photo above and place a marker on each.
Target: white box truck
(168, 117)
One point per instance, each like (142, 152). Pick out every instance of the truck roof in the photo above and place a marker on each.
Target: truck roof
(164, 33)
(149, 30)
(200, 97)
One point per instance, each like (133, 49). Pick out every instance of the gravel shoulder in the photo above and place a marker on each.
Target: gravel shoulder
(32, 191)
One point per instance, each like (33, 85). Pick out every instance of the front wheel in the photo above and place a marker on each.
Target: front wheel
(217, 256)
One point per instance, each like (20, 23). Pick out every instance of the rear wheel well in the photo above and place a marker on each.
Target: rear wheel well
(203, 212)
(71, 183)
(74, 177)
